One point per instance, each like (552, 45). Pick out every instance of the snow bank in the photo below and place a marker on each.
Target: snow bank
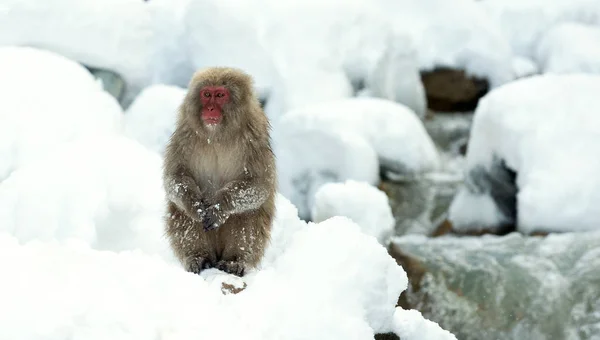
(457, 34)
(151, 117)
(363, 203)
(117, 35)
(308, 157)
(546, 129)
(524, 22)
(395, 132)
(570, 48)
(48, 100)
(105, 191)
(331, 267)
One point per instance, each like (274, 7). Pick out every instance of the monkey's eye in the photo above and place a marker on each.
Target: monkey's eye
(219, 95)
(207, 94)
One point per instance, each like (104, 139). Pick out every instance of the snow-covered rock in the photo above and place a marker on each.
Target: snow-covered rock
(331, 267)
(570, 48)
(361, 202)
(151, 117)
(396, 76)
(308, 157)
(395, 132)
(48, 99)
(524, 67)
(545, 129)
(116, 35)
(105, 191)
(411, 325)
(456, 34)
(525, 22)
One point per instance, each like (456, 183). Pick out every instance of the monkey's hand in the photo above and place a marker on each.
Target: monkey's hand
(214, 217)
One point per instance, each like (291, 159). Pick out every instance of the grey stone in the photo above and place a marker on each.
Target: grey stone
(112, 82)
(505, 287)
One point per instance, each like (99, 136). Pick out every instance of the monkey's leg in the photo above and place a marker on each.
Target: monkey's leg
(243, 239)
(194, 248)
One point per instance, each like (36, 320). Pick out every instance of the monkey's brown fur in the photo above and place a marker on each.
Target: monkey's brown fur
(229, 169)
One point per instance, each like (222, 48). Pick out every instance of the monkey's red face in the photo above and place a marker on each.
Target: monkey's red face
(213, 98)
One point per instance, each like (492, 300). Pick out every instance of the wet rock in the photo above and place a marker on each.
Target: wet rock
(386, 336)
(505, 288)
(420, 205)
(451, 90)
(112, 82)
(449, 131)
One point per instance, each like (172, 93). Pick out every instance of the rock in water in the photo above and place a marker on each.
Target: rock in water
(511, 287)
(112, 82)
(450, 90)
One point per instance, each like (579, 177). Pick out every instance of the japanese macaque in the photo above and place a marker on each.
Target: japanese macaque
(219, 175)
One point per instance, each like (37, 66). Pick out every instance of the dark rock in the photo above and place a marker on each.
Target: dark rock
(112, 82)
(505, 288)
(452, 90)
(386, 336)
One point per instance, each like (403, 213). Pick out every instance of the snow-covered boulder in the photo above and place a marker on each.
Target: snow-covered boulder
(456, 34)
(331, 267)
(151, 117)
(394, 131)
(525, 22)
(533, 159)
(361, 202)
(118, 35)
(308, 157)
(105, 191)
(48, 99)
(570, 48)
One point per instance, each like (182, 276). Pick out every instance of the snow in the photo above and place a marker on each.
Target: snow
(116, 35)
(150, 119)
(308, 157)
(105, 191)
(545, 128)
(570, 48)
(411, 325)
(524, 23)
(524, 67)
(48, 100)
(361, 202)
(133, 295)
(457, 34)
(394, 131)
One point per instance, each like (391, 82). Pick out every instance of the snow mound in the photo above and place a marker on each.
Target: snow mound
(411, 325)
(457, 34)
(104, 191)
(48, 100)
(117, 35)
(570, 48)
(151, 117)
(395, 132)
(547, 130)
(331, 267)
(308, 157)
(524, 22)
(363, 203)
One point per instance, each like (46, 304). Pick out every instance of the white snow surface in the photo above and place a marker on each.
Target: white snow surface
(151, 118)
(411, 325)
(308, 157)
(547, 129)
(48, 100)
(114, 34)
(394, 131)
(105, 191)
(570, 48)
(361, 202)
(132, 295)
(525, 22)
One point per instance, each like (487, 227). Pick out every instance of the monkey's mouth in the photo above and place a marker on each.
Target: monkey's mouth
(211, 120)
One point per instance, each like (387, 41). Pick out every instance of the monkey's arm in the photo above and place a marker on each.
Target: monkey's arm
(182, 190)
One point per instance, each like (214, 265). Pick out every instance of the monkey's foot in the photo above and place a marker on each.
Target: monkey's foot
(196, 264)
(231, 267)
